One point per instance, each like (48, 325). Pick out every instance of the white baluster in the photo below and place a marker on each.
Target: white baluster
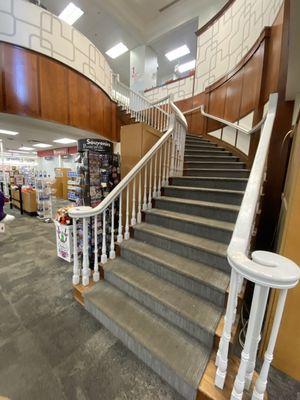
(150, 186)
(145, 188)
(222, 354)
(96, 276)
(169, 155)
(120, 230)
(76, 271)
(133, 215)
(104, 255)
(155, 176)
(259, 295)
(262, 380)
(112, 253)
(139, 213)
(155, 118)
(126, 235)
(164, 150)
(159, 172)
(85, 254)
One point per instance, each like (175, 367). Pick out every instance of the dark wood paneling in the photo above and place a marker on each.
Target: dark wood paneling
(216, 106)
(53, 91)
(79, 100)
(20, 81)
(234, 89)
(107, 116)
(96, 109)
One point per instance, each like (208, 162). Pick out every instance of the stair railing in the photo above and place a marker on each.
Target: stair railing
(265, 269)
(130, 197)
(156, 114)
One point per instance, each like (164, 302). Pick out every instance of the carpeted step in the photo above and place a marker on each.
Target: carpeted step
(226, 172)
(189, 246)
(195, 316)
(206, 209)
(213, 182)
(197, 278)
(190, 145)
(214, 164)
(194, 225)
(179, 359)
(214, 151)
(210, 158)
(205, 194)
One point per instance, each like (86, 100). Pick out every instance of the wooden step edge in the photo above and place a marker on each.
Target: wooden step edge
(207, 389)
(79, 290)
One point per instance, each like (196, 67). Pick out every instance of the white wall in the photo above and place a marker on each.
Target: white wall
(30, 26)
(51, 164)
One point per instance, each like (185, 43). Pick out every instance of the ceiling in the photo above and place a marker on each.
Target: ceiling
(32, 131)
(137, 22)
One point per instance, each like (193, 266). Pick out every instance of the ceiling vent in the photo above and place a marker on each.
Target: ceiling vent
(171, 4)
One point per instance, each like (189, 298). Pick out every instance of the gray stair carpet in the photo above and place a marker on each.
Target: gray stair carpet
(165, 295)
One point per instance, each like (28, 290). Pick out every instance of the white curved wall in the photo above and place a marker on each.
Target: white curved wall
(223, 45)
(181, 89)
(29, 26)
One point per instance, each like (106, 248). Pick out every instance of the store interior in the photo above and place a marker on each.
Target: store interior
(46, 168)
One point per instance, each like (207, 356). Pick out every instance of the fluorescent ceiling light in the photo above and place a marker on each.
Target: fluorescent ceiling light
(117, 50)
(26, 148)
(177, 53)
(65, 141)
(23, 152)
(42, 145)
(187, 66)
(71, 14)
(6, 132)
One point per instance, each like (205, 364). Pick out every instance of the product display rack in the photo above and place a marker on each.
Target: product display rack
(74, 187)
(44, 198)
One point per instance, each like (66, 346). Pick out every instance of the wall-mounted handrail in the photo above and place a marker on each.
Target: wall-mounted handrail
(265, 269)
(228, 123)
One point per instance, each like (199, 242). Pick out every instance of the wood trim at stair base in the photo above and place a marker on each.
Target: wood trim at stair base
(79, 290)
(207, 389)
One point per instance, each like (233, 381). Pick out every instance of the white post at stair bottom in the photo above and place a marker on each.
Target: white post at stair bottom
(262, 380)
(76, 271)
(85, 254)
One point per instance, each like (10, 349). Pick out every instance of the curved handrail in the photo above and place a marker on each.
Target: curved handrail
(228, 123)
(80, 212)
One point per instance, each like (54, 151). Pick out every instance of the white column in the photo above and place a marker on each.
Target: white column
(262, 380)
(104, 255)
(260, 292)
(85, 254)
(76, 271)
(120, 230)
(112, 253)
(96, 276)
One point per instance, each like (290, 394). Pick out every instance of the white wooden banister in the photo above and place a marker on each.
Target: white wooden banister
(152, 171)
(266, 270)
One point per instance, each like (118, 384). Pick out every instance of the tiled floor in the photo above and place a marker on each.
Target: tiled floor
(50, 348)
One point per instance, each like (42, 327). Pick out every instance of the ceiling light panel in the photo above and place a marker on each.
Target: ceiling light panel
(65, 141)
(71, 14)
(177, 53)
(117, 50)
(6, 132)
(187, 66)
(25, 148)
(42, 145)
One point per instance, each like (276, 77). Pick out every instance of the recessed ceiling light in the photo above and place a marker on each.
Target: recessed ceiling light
(71, 14)
(186, 66)
(42, 145)
(177, 53)
(117, 50)
(26, 148)
(65, 141)
(6, 132)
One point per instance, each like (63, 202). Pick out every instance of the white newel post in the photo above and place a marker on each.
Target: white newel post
(112, 253)
(76, 271)
(85, 254)
(120, 227)
(104, 255)
(96, 276)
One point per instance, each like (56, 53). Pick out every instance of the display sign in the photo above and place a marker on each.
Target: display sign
(61, 152)
(98, 145)
(64, 241)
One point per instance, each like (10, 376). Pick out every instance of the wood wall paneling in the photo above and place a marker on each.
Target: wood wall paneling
(216, 107)
(20, 81)
(96, 109)
(79, 100)
(107, 116)
(54, 91)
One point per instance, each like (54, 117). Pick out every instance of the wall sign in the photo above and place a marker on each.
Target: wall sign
(98, 145)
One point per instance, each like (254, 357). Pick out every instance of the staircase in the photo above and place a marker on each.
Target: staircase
(165, 295)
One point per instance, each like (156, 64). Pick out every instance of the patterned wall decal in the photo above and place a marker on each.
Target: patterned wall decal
(32, 27)
(181, 89)
(223, 45)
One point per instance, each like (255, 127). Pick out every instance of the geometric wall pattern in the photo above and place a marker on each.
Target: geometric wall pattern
(223, 45)
(181, 89)
(32, 27)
